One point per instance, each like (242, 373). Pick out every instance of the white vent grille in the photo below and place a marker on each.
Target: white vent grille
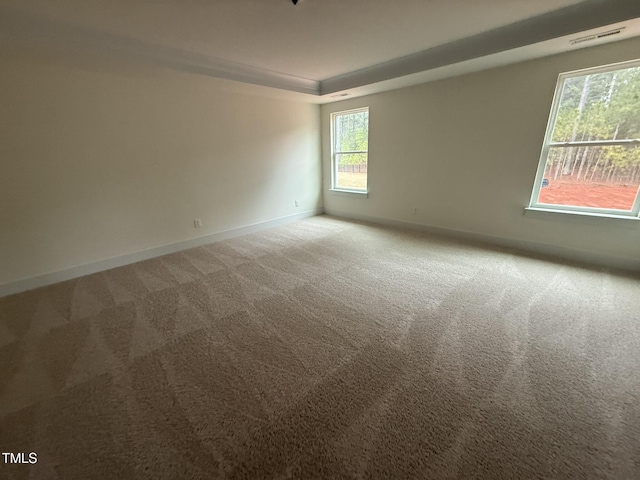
(597, 36)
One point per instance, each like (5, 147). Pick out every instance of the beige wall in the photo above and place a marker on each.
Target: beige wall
(103, 161)
(465, 150)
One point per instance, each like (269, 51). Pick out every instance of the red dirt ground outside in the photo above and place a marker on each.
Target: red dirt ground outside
(619, 197)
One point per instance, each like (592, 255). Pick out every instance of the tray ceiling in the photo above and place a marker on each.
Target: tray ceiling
(318, 47)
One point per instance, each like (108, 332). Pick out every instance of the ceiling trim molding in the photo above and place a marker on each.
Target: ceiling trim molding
(566, 21)
(23, 28)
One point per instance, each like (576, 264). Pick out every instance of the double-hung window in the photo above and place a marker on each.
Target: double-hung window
(350, 150)
(590, 160)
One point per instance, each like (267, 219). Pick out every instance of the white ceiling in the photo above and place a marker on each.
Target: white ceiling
(316, 47)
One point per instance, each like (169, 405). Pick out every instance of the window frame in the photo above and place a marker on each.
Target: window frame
(334, 153)
(634, 213)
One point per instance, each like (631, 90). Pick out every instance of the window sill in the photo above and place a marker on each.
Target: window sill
(538, 212)
(348, 193)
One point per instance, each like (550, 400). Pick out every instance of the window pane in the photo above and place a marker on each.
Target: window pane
(351, 171)
(599, 177)
(352, 132)
(600, 106)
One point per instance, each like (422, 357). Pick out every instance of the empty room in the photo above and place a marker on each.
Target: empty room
(319, 239)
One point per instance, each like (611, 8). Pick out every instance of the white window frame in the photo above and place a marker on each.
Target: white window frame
(634, 213)
(334, 153)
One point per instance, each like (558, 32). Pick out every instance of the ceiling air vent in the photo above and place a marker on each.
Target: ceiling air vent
(597, 36)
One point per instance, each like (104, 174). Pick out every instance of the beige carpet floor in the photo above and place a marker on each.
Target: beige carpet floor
(325, 349)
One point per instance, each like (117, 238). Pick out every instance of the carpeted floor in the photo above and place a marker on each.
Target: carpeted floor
(325, 349)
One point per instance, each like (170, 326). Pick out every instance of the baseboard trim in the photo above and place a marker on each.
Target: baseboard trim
(129, 258)
(551, 251)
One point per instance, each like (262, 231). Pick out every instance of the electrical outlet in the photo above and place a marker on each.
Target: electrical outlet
(197, 223)
(297, 203)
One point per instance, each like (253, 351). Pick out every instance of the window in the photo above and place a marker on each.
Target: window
(349, 150)
(590, 160)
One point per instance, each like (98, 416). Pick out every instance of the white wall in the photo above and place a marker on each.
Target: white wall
(465, 150)
(99, 160)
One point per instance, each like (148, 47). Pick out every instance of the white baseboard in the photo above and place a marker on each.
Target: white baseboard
(551, 251)
(109, 263)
